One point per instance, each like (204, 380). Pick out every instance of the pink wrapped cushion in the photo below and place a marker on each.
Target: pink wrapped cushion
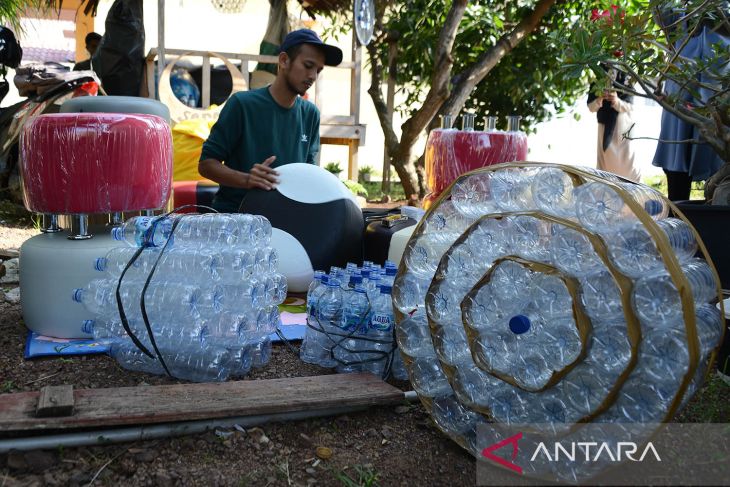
(96, 162)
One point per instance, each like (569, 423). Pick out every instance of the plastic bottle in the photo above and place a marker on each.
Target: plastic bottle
(390, 271)
(601, 297)
(144, 231)
(310, 350)
(552, 191)
(355, 312)
(656, 299)
(96, 297)
(329, 317)
(572, 252)
(261, 353)
(472, 197)
(511, 189)
(601, 209)
(380, 335)
(117, 259)
(635, 253)
(206, 230)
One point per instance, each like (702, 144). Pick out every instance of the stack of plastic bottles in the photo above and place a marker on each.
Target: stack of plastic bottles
(211, 295)
(554, 296)
(350, 320)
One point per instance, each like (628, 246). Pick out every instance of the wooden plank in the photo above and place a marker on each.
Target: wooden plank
(187, 402)
(354, 132)
(55, 401)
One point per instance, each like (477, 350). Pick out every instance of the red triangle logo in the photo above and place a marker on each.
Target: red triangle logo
(487, 452)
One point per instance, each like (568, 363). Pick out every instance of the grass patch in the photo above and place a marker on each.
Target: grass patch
(375, 191)
(659, 182)
(711, 404)
(362, 476)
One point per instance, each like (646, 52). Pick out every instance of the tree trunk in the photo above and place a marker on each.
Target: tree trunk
(401, 150)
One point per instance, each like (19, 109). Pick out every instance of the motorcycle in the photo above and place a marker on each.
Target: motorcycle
(47, 87)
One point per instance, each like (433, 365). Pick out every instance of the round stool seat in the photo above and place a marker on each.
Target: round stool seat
(116, 104)
(96, 163)
(451, 153)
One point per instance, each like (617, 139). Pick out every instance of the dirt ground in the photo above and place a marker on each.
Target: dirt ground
(396, 445)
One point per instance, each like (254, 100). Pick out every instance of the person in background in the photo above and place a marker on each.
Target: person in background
(613, 111)
(92, 43)
(682, 162)
(259, 130)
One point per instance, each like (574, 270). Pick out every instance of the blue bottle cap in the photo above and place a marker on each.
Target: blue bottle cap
(100, 264)
(519, 324)
(386, 289)
(77, 294)
(653, 207)
(355, 280)
(118, 233)
(87, 326)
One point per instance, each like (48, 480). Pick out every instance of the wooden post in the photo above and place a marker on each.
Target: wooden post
(355, 75)
(206, 81)
(160, 42)
(390, 96)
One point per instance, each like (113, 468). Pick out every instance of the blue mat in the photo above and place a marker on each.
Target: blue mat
(292, 327)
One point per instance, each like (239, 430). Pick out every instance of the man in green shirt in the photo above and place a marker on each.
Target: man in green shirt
(261, 129)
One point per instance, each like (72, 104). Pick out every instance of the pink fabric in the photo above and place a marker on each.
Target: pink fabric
(451, 153)
(96, 163)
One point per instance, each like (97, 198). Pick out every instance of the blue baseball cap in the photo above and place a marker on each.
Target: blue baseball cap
(332, 54)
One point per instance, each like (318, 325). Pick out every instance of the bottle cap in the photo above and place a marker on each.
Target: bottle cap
(100, 264)
(118, 233)
(519, 324)
(386, 289)
(87, 326)
(77, 294)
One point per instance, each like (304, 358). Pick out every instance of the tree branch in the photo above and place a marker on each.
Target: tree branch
(491, 57)
(439, 91)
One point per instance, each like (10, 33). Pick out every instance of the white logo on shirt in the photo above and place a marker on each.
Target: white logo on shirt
(304, 137)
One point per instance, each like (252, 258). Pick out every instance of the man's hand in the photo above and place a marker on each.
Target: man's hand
(262, 176)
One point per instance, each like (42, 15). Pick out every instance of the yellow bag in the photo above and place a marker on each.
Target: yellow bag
(187, 140)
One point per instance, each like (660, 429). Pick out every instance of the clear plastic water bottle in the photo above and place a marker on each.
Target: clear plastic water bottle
(552, 191)
(311, 351)
(471, 195)
(512, 189)
(572, 252)
(414, 337)
(380, 334)
(428, 378)
(117, 259)
(261, 353)
(634, 252)
(656, 298)
(329, 316)
(601, 297)
(219, 230)
(709, 328)
(253, 230)
(197, 265)
(390, 271)
(96, 297)
(601, 209)
(144, 231)
(355, 312)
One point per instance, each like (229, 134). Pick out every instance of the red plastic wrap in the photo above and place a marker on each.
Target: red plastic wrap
(96, 163)
(451, 153)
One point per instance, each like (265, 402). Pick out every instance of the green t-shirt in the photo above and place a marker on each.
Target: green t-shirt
(253, 127)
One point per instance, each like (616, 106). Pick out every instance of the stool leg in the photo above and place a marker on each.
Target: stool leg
(80, 228)
(50, 224)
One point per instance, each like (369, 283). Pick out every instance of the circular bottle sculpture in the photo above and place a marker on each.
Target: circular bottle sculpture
(514, 306)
